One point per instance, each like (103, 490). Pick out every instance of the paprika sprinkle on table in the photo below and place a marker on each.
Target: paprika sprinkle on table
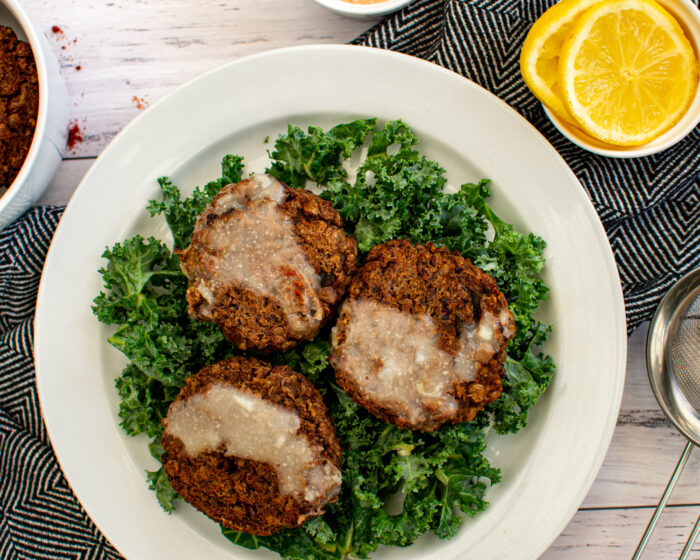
(75, 135)
(139, 102)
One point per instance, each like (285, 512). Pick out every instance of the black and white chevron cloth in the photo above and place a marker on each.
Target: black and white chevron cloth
(650, 207)
(40, 517)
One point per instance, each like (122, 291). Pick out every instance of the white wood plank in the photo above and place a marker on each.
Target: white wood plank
(645, 446)
(614, 534)
(132, 50)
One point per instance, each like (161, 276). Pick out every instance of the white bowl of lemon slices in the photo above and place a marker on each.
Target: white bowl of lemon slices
(617, 77)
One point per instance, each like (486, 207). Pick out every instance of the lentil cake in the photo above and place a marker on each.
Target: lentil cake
(421, 338)
(268, 263)
(251, 446)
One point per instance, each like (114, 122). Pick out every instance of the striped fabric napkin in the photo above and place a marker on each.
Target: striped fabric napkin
(39, 515)
(650, 208)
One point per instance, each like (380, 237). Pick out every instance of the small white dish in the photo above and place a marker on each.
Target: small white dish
(364, 11)
(44, 154)
(688, 17)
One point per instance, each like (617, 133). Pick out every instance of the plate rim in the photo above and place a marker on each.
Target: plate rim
(613, 274)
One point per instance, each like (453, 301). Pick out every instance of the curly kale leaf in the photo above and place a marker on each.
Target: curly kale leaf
(181, 214)
(391, 189)
(452, 222)
(394, 133)
(440, 475)
(311, 359)
(144, 401)
(525, 382)
(144, 293)
(394, 192)
(514, 259)
(159, 483)
(139, 278)
(316, 155)
(291, 544)
(158, 480)
(314, 540)
(160, 352)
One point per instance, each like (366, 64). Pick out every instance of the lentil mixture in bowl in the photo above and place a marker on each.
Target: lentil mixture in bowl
(19, 104)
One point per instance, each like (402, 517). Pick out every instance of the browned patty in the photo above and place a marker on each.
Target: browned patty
(428, 281)
(243, 494)
(251, 319)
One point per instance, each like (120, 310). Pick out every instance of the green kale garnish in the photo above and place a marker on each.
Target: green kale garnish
(398, 193)
(397, 484)
(316, 155)
(139, 279)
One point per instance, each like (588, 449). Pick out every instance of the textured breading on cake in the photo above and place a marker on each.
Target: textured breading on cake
(251, 446)
(421, 338)
(267, 263)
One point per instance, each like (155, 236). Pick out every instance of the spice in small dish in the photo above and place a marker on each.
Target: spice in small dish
(19, 104)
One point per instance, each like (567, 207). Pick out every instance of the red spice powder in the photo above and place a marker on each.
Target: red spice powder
(79, 68)
(75, 135)
(57, 30)
(140, 102)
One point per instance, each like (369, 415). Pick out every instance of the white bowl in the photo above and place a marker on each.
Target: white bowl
(362, 11)
(44, 154)
(688, 17)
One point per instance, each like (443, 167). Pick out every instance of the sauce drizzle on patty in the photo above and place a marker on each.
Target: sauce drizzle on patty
(250, 427)
(249, 242)
(394, 358)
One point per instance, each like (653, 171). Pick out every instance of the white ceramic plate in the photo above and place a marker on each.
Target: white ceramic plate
(547, 468)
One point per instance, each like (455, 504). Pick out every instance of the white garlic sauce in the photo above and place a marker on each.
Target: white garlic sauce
(251, 427)
(258, 250)
(394, 358)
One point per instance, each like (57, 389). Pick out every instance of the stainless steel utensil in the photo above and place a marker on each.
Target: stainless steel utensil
(673, 364)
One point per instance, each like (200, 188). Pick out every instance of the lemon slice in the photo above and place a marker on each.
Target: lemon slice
(539, 57)
(627, 72)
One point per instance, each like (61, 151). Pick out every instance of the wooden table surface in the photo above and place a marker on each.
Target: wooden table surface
(119, 56)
